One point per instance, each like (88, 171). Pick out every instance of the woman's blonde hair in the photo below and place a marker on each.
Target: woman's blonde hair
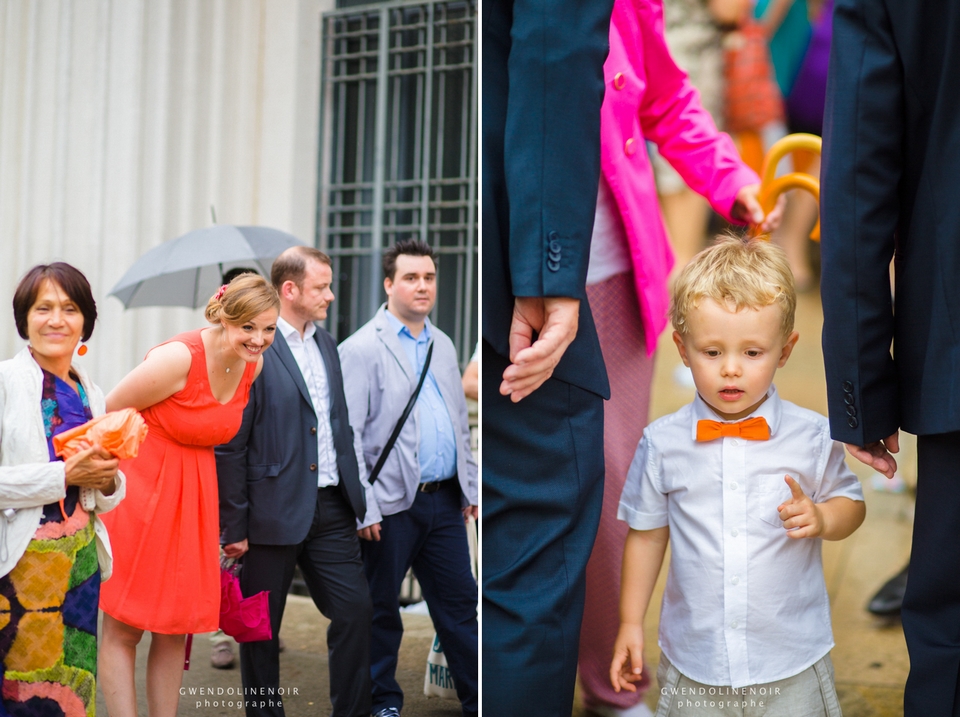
(242, 300)
(737, 272)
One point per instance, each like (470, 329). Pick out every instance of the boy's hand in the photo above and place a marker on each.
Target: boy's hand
(627, 664)
(801, 517)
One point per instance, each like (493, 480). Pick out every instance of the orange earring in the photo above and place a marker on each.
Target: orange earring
(82, 351)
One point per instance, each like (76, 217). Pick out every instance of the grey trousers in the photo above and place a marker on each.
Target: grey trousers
(810, 693)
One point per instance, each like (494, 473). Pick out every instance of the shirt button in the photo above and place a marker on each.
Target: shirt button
(734, 625)
(735, 580)
(734, 532)
(736, 442)
(733, 486)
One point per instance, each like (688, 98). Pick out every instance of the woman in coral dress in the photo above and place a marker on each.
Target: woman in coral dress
(191, 391)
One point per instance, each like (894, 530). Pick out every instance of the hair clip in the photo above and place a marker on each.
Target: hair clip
(220, 292)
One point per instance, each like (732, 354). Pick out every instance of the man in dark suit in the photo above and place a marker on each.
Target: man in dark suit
(290, 491)
(543, 375)
(890, 185)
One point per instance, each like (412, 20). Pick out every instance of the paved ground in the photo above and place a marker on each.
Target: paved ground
(303, 671)
(870, 656)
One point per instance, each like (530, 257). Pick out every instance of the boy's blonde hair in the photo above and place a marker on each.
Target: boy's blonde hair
(737, 272)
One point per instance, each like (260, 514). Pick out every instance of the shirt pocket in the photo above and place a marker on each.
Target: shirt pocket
(772, 492)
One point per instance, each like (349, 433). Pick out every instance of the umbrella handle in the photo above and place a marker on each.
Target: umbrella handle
(771, 186)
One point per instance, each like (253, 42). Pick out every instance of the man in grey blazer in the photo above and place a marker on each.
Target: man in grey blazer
(291, 492)
(428, 484)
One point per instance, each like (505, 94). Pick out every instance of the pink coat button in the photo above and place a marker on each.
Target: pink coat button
(630, 147)
(619, 81)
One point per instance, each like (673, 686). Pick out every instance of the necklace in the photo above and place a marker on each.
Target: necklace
(226, 369)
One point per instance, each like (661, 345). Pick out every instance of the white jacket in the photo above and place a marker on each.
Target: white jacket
(378, 380)
(28, 479)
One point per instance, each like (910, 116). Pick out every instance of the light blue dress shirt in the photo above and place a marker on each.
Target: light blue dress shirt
(438, 445)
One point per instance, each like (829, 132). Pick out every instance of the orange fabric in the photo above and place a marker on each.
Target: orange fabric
(803, 160)
(751, 96)
(119, 432)
(165, 533)
(753, 429)
(750, 146)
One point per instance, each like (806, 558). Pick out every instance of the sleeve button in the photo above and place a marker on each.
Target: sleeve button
(853, 422)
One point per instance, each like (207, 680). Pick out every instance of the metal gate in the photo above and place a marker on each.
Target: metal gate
(399, 154)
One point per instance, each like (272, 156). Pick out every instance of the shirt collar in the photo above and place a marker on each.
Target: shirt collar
(770, 410)
(290, 333)
(401, 329)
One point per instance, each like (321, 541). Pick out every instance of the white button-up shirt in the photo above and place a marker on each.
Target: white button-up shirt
(314, 372)
(744, 604)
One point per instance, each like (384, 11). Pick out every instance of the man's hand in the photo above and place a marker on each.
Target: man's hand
(555, 320)
(747, 208)
(627, 664)
(801, 517)
(371, 532)
(471, 510)
(877, 455)
(235, 550)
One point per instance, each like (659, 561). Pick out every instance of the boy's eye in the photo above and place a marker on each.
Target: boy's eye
(712, 353)
(753, 353)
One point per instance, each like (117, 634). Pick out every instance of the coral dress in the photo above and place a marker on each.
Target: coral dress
(165, 534)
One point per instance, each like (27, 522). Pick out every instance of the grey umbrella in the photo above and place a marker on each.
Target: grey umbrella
(186, 271)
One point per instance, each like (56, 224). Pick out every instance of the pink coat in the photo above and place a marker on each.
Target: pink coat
(647, 97)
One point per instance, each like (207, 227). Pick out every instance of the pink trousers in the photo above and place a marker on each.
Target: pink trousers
(617, 316)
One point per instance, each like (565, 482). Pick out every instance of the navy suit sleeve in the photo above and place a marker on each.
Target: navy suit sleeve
(862, 169)
(232, 474)
(552, 141)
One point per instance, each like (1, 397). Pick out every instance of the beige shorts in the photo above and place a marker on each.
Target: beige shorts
(808, 694)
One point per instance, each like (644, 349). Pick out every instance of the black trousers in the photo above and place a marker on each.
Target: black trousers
(429, 536)
(329, 559)
(542, 494)
(931, 605)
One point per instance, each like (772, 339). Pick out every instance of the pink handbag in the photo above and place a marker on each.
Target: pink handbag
(243, 619)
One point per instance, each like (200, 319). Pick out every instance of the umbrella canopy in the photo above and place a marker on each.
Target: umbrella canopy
(187, 271)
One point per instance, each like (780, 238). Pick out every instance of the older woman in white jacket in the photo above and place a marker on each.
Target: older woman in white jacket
(54, 550)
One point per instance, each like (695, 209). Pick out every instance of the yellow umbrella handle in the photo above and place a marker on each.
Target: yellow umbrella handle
(795, 180)
(771, 187)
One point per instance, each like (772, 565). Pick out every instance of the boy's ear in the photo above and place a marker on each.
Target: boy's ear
(678, 340)
(788, 348)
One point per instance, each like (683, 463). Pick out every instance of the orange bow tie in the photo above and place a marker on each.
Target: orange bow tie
(753, 429)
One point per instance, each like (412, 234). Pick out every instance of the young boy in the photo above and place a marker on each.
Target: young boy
(744, 485)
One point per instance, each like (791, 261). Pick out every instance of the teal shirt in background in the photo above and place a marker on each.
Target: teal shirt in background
(790, 42)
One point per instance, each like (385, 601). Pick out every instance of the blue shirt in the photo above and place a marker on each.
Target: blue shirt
(438, 445)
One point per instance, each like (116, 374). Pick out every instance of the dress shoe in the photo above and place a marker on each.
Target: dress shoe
(889, 598)
(387, 712)
(222, 656)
